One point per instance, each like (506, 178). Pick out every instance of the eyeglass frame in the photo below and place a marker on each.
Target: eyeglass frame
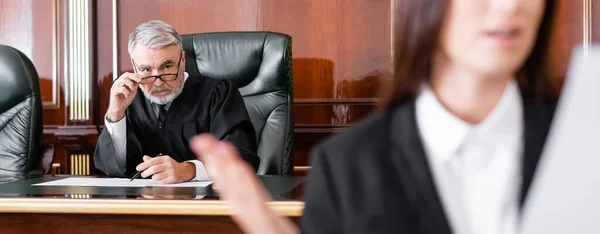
(159, 76)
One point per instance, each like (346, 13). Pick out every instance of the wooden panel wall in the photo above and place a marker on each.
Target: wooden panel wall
(339, 49)
(31, 27)
(42, 30)
(595, 20)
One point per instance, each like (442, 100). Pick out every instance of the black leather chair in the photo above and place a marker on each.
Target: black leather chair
(20, 114)
(260, 64)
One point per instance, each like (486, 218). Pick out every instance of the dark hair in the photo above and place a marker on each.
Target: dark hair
(416, 33)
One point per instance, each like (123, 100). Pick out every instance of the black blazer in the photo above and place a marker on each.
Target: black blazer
(375, 177)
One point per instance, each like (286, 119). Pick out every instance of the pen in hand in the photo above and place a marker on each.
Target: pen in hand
(137, 174)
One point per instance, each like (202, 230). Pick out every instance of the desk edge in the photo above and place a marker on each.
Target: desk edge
(135, 207)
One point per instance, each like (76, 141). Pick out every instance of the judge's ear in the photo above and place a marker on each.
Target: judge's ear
(183, 60)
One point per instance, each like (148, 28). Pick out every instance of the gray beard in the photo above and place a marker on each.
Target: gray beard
(163, 100)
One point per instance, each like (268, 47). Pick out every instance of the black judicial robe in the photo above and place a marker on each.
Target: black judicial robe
(205, 105)
(375, 177)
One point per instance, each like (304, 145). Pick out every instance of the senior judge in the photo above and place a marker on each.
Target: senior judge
(150, 132)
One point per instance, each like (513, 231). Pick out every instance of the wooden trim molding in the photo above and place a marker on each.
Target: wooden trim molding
(134, 206)
(587, 24)
(79, 60)
(79, 164)
(56, 40)
(302, 168)
(336, 101)
(70, 130)
(320, 128)
(115, 39)
(298, 128)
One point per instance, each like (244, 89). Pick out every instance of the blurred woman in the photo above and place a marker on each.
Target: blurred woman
(456, 146)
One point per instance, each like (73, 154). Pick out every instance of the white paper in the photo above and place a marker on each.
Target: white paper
(563, 197)
(119, 182)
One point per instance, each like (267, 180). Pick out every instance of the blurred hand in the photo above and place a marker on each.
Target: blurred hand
(165, 170)
(122, 93)
(239, 186)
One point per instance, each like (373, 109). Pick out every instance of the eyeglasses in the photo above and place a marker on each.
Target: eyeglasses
(163, 77)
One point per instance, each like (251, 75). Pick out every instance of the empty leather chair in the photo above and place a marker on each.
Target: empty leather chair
(20, 114)
(260, 64)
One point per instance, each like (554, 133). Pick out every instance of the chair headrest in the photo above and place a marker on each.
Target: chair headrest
(18, 78)
(251, 60)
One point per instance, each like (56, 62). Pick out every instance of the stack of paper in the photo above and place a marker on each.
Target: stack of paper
(118, 182)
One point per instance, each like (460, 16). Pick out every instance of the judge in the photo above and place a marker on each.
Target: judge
(455, 148)
(150, 132)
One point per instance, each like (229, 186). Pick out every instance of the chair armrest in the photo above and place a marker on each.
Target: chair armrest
(46, 158)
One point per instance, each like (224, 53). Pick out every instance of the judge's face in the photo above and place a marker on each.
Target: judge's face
(154, 62)
(490, 38)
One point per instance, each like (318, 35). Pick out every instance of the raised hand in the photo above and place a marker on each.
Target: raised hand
(122, 93)
(239, 186)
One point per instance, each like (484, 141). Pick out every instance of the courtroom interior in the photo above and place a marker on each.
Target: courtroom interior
(297, 116)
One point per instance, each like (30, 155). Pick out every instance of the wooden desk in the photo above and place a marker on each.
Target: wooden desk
(29, 209)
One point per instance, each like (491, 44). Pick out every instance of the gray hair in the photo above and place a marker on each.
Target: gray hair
(154, 34)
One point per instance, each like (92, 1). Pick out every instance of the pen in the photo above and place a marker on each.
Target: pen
(137, 174)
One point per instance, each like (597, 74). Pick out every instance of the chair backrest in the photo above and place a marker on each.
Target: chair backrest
(20, 113)
(260, 64)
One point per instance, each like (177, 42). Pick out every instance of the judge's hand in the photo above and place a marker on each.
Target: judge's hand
(122, 93)
(237, 184)
(165, 170)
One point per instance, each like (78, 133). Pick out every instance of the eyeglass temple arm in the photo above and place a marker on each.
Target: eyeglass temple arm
(133, 65)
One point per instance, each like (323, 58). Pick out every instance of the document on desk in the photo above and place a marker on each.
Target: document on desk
(119, 182)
